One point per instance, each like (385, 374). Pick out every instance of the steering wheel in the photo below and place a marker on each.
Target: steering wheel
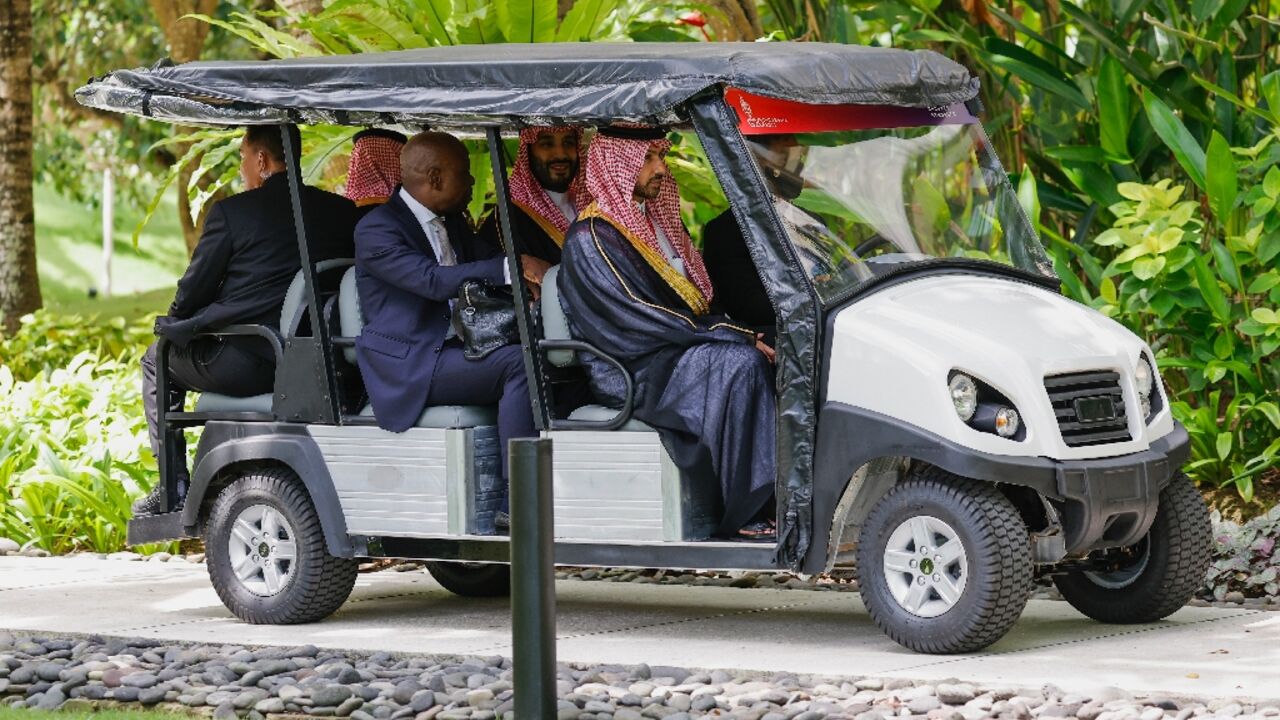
(871, 243)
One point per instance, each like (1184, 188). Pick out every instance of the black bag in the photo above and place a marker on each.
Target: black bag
(485, 319)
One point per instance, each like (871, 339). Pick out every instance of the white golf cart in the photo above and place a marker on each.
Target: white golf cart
(946, 419)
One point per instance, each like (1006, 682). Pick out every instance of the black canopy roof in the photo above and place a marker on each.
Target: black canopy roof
(515, 84)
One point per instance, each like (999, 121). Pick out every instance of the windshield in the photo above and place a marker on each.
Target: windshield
(859, 203)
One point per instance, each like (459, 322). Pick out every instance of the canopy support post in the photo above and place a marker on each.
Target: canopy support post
(524, 316)
(305, 389)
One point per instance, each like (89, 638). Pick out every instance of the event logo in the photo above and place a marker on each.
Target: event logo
(757, 122)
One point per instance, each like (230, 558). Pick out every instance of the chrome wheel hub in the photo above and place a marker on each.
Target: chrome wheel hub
(262, 550)
(925, 566)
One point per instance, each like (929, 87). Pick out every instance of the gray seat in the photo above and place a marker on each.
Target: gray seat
(451, 416)
(555, 326)
(351, 323)
(292, 310)
(600, 413)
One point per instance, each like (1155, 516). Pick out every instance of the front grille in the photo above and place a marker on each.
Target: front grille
(1090, 391)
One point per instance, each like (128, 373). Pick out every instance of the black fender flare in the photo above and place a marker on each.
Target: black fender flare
(297, 451)
(850, 437)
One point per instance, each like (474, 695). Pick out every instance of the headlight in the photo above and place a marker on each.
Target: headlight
(1143, 375)
(964, 395)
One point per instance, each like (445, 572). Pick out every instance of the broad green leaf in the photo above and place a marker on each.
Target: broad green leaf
(1078, 153)
(582, 22)
(1202, 10)
(1266, 316)
(1113, 109)
(1223, 444)
(1028, 198)
(1269, 247)
(1264, 282)
(1271, 183)
(1176, 137)
(527, 21)
(1220, 177)
(1223, 345)
(1108, 291)
(1210, 291)
(1272, 412)
(1226, 265)
(1271, 90)
(1051, 83)
(1147, 268)
(1223, 18)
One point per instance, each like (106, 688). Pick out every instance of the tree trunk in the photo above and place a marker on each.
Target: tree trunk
(185, 38)
(19, 283)
(735, 20)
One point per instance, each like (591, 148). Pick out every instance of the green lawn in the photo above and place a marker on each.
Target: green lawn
(69, 256)
(9, 713)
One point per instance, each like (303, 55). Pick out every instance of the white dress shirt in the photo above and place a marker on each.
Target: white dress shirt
(433, 225)
(668, 250)
(561, 201)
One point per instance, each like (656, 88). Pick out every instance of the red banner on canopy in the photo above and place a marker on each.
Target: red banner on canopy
(759, 115)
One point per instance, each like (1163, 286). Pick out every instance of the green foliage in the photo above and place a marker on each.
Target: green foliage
(73, 439)
(1204, 299)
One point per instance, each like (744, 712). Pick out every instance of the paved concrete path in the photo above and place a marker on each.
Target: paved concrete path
(1205, 652)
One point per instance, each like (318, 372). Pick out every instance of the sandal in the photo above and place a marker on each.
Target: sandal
(759, 530)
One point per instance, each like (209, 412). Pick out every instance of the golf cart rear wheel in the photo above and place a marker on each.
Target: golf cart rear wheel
(266, 552)
(472, 579)
(944, 563)
(1154, 578)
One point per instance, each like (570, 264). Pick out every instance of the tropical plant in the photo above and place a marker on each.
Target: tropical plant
(73, 439)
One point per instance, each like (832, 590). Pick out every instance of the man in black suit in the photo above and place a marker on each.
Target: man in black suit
(412, 256)
(241, 268)
(738, 289)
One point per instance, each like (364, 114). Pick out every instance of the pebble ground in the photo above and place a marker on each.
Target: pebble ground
(232, 682)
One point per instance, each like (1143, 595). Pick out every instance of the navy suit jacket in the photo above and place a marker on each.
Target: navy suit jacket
(405, 294)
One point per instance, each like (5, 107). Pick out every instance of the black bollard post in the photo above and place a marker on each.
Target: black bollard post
(533, 591)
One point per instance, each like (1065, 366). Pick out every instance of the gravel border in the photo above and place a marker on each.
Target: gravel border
(230, 682)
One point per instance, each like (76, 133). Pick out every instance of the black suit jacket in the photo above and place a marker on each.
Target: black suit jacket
(738, 290)
(248, 255)
(404, 295)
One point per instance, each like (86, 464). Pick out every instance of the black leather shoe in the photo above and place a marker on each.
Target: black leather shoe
(150, 505)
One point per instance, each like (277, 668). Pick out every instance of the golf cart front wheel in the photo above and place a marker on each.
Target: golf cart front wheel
(1157, 576)
(266, 552)
(944, 563)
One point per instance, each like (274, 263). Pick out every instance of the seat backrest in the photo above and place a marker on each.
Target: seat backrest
(295, 307)
(350, 317)
(555, 326)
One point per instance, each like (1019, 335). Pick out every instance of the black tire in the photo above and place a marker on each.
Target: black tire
(317, 584)
(472, 579)
(997, 555)
(1168, 565)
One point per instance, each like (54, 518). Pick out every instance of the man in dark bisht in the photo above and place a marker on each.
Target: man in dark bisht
(632, 284)
(546, 190)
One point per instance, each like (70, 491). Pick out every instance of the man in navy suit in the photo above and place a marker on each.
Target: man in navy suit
(412, 256)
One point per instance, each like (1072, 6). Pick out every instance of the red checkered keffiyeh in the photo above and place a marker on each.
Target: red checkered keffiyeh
(374, 171)
(613, 164)
(529, 194)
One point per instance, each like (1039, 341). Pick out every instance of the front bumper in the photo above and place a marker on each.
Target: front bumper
(1105, 502)
(1111, 502)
